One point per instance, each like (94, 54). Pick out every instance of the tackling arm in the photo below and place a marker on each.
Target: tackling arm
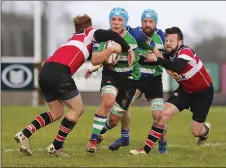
(105, 35)
(99, 57)
(176, 66)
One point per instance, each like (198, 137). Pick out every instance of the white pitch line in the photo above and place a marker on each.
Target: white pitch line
(106, 147)
(39, 149)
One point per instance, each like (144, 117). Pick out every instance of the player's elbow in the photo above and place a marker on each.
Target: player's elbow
(96, 59)
(94, 62)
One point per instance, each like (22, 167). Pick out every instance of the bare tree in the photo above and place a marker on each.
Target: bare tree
(211, 40)
(206, 29)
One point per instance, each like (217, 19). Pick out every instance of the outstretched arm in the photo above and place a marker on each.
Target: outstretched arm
(176, 66)
(91, 70)
(98, 57)
(101, 35)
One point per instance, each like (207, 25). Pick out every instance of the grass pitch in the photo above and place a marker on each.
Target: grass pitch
(182, 149)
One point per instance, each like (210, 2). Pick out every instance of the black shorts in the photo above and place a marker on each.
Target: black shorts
(126, 89)
(198, 102)
(151, 88)
(56, 82)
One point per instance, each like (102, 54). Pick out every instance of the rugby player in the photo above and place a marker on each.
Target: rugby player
(151, 77)
(195, 90)
(59, 87)
(118, 84)
(150, 83)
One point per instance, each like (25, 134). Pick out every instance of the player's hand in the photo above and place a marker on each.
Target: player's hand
(131, 57)
(116, 48)
(173, 74)
(150, 57)
(88, 73)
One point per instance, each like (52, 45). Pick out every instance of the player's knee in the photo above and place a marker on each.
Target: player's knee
(112, 123)
(155, 114)
(163, 117)
(157, 106)
(108, 101)
(78, 110)
(75, 113)
(108, 96)
(57, 112)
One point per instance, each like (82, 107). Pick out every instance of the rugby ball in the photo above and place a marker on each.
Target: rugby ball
(114, 57)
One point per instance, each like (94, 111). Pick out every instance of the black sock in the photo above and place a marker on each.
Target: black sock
(40, 121)
(105, 128)
(153, 136)
(65, 128)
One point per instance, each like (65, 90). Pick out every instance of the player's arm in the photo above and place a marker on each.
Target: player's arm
(155, 51)
(176, 66)
(95, 68)
(91, 70)
(98, 57)
(137, 33)
(101, 35)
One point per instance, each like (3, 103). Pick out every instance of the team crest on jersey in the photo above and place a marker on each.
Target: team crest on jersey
(181, 77)
(172, 58)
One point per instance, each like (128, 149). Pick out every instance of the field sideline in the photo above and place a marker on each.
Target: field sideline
(182, 149)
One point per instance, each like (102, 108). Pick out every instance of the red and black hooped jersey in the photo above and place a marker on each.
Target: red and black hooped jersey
(194, 77)
(75, 51)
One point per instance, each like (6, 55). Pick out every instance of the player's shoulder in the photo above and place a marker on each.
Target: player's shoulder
(159, 31)
(132, 29)
(137, 33)
(87, 31)
(161, 34)
(129, 38)
(186, 51)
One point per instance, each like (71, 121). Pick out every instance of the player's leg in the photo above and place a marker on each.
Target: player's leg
(124, 100)
(173, 105)
(42, 120)
(55, 111)
(109, 93)
(200, 106)
(157, 105)
(69, 94)
(153, 91)
(125, 126)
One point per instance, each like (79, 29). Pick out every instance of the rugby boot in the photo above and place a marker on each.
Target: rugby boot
(24, 143)
(163, 147)
(139, 151)
(58, 153)
(201, 140)
(92, 146)
(123, 141)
